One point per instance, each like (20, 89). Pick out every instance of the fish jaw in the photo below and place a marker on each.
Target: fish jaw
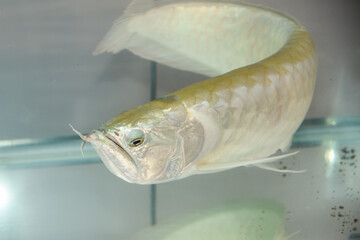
(122, 162)
(116, 159)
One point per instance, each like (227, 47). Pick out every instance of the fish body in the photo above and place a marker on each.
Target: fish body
(262, 65)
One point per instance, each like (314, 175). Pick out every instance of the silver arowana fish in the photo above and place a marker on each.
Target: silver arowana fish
(262, 66)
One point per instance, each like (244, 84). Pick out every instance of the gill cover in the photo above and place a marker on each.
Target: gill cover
(154, 143)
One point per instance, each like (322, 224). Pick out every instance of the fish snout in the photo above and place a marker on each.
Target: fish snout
(114, 156)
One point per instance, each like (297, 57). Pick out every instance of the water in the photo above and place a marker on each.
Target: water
(44, 176)
(49, 79)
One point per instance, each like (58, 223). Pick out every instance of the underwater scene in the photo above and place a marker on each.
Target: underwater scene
(179, 119)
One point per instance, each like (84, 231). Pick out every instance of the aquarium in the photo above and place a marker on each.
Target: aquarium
(50, 79)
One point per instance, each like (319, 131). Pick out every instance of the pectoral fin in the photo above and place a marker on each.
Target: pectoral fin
(222, 166)
(274, 169)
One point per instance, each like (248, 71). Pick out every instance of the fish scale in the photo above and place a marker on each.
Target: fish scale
(262, 65)
(291, 119)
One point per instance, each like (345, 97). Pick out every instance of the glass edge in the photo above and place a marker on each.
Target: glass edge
(65, 150)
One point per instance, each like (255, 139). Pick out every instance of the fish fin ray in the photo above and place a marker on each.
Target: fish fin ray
(116, 38)
(119, 38)
(293, 234)
(222, 166)
(137, 7)
(152, 50)
(286, 145)
(274, 169)
(122, 36)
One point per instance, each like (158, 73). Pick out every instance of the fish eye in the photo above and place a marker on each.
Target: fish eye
(136, 142)
(135, 138)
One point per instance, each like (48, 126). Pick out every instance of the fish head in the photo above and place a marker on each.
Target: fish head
(156, 142)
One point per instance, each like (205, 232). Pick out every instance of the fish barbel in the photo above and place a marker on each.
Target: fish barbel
(262, 65)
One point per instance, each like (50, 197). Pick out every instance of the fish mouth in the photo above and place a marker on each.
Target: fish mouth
(112, 139)
(114, 156)
(140, 178)
(117, 160)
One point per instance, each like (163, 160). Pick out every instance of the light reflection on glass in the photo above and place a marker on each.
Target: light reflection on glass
(4, 197)
(330, 156)
(330, 121)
